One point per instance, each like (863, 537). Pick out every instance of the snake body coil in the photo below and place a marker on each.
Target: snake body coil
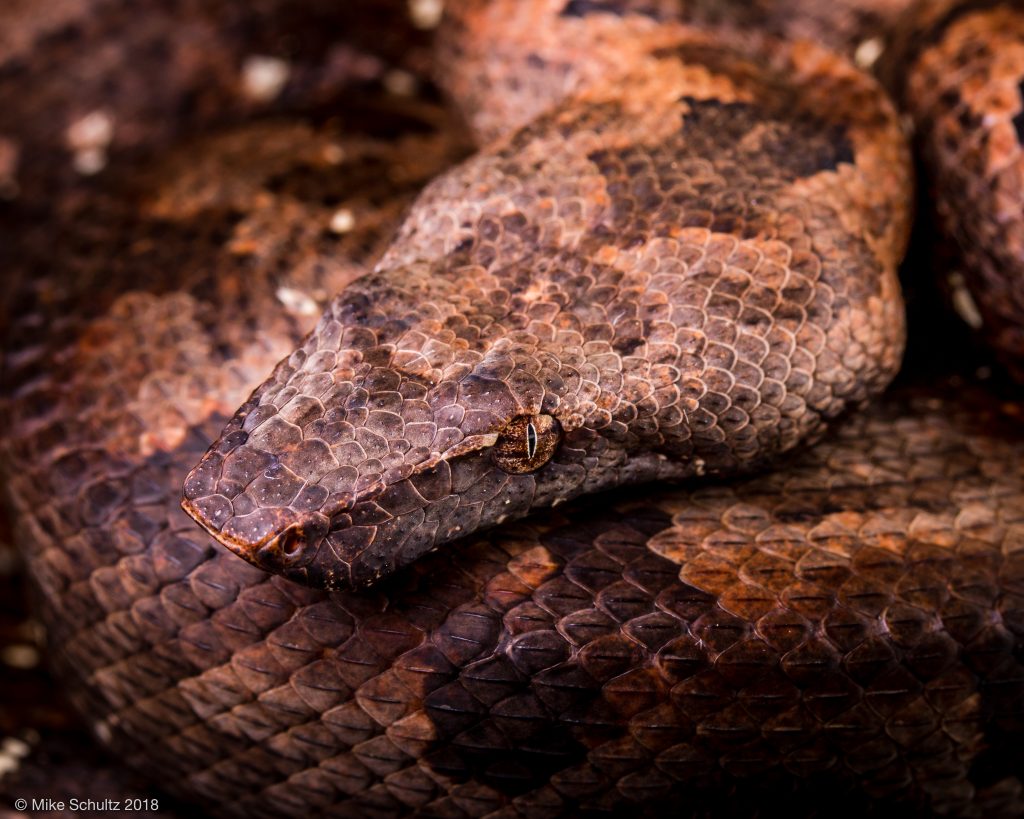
(958, 68)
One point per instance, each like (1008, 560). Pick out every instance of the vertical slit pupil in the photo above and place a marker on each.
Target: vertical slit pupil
(531, 440)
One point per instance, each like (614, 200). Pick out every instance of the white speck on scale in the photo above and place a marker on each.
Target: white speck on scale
(426, 14)
(263, 77)
(868, 52)
(343, 221)
(296, 301)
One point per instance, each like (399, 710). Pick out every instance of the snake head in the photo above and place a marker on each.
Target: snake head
(406, 419)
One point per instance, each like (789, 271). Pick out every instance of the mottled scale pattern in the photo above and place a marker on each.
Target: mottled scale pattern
(506, 62)
(690, 267)
(118, 355)
(841, 636)
(958, 68)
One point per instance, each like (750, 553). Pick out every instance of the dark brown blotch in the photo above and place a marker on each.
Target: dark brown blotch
(655, 9)
(940, 25)
(1018, 120)
(798, 147)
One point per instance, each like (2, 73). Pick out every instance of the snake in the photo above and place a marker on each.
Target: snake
(643, 533)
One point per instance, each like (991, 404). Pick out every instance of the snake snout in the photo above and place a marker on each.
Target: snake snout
(280, 540)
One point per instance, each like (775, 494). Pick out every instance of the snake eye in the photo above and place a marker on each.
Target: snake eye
(527, 443)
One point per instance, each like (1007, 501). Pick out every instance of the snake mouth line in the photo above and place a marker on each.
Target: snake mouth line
(284, 540)
(207, 519)
(243, 547)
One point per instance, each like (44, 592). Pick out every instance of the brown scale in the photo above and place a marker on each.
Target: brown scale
(958, 68)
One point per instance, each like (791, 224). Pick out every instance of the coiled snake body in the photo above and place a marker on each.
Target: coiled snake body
(684, 271)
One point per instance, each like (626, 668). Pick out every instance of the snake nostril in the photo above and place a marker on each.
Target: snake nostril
(291, 541)
(300, 538)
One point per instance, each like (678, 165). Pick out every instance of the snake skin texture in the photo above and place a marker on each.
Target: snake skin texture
(684, 271)
(236, 222)
(959, 70)
(841, 636)
(504, 63)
